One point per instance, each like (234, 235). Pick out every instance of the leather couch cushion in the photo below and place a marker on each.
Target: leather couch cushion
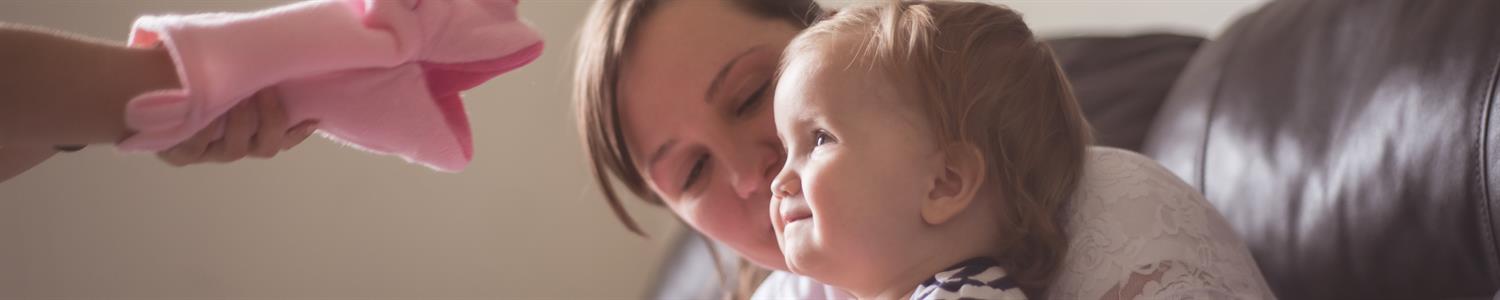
(1121, 81)
(1348, 142)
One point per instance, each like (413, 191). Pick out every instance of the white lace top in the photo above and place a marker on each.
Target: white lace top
(1135, 230)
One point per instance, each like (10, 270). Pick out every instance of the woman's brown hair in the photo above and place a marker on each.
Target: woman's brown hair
(984, 80)
(603, 42)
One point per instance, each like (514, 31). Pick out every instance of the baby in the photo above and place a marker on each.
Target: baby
(930, 146)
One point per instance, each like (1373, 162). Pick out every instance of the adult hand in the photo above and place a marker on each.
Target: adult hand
(256, 128)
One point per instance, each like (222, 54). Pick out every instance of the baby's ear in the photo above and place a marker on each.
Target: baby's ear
(956, 185)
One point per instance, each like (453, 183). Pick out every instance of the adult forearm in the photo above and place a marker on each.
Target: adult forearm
(58, 88)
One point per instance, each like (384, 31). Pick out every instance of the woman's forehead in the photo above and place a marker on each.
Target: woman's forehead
(677, 49)
(675, 54)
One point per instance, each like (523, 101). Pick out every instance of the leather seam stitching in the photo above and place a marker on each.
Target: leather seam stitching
(1486, 207)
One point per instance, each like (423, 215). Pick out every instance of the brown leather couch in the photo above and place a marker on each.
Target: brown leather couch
(1352, 143)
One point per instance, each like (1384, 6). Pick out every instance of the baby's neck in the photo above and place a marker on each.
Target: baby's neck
(902, 283)
(972, 234)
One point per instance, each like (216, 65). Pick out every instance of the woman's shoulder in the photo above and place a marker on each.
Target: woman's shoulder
(1129, 215)
(1126, 195)
(784, 285)
(1113, 175)
(1106, 161)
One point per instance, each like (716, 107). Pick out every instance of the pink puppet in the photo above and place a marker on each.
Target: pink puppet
(380, 75)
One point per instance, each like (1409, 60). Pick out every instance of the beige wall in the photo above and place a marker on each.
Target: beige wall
(324, 222)
(1058, 18)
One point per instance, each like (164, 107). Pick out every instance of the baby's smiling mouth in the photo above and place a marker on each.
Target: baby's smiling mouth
(798, 217)
(794, 212)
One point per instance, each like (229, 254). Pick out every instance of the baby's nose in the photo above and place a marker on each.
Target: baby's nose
(786, 184)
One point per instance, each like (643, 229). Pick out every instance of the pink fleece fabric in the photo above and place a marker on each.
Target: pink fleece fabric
(384, 76)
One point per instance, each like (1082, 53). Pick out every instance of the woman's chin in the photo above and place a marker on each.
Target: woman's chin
(760, 249)
(772, 259)
(779, 266)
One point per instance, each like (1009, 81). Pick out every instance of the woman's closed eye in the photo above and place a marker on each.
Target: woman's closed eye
(700, 165)
(695, 172)
(753, 100)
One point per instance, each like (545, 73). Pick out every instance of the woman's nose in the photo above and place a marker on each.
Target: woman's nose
(754, 173)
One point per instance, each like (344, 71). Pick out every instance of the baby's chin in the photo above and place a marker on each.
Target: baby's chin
(805, 259)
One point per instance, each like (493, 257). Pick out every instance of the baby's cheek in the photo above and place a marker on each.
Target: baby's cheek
(825, 196)
(834, 209)
(803, 259)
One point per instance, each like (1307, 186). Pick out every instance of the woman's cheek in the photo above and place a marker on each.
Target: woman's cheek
(707, 216)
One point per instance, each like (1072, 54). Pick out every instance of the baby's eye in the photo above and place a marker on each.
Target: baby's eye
(821, 137)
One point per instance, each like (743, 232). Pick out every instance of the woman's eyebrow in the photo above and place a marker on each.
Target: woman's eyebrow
(713, 86)
(660, 153)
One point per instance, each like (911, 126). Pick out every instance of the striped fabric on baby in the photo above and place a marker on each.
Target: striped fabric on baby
(979, 278)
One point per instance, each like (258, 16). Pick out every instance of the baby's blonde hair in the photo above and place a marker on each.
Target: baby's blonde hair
(983, 79)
